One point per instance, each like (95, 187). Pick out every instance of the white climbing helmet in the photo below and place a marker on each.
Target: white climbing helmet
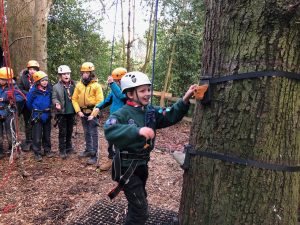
(134, 79)
(63, 69)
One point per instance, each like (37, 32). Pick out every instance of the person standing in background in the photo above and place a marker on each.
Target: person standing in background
(88, 92)
(65, 113)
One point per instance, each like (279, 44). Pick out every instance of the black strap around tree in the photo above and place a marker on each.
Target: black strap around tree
(191, 152)
(250, 75)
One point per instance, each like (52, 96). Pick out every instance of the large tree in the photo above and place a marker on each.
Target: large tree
(27, 28)
(19, 21)
(254, 119)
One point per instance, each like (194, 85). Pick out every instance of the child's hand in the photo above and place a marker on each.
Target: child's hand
(57, 106)
(110, 79)
(189, 93)
(96, 110)
(147, 132)
(80, 114)
(90, 117)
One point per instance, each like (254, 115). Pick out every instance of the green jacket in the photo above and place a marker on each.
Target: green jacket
(122, 127)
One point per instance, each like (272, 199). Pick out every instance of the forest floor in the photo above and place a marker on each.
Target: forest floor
(58, 191)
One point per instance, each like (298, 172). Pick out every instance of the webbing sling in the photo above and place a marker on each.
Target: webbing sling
(191, 152)
(123, 180)
(249, 75)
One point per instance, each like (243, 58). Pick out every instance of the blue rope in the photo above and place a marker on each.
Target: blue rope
(154, 49)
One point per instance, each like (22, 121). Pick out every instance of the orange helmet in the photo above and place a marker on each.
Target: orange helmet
(87, 67)
(6, 73)
(38, 76)
(118, 73)
(33, 63)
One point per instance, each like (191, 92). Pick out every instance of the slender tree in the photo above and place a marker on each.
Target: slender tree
(255, 119)
(129, 41)
(123, 35)
(39, 32)
(149, 39)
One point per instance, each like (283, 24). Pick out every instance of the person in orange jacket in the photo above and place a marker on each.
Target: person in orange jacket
(88, 92)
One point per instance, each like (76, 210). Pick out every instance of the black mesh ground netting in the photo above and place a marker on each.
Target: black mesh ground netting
(105, 212)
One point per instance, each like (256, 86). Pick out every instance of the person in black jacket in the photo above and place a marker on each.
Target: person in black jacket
(25, 83)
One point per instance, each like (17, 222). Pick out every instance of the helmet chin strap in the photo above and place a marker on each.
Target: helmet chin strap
(139, 101)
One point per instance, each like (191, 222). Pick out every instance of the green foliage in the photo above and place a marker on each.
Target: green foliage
(74, 38)
(182, 26)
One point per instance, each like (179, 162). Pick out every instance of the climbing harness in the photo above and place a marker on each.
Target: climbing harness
(37, 117)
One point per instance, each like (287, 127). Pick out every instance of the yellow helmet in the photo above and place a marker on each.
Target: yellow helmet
(6, 73)
(87, 67)
(38, 76)
(118, 73)
(33, 63)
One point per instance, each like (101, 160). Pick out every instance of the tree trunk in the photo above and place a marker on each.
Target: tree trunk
(123, 36)
(39, 33)
(149, 41)
(129, 43)
(19, 22)
(254, 119)
(168, 77)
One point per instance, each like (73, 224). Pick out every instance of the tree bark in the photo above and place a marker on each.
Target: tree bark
(254, 119)
(19, 22)
(39, 33)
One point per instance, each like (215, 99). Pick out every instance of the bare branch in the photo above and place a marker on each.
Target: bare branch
(19, 39)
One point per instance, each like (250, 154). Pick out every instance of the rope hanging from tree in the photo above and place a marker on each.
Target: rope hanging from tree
(15, 150)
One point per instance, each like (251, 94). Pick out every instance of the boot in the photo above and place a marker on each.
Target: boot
(38, 158)
(70, 151)
(63, 154)
(1, 155)
(86, 153)
(107, 165)
(26, 147)
(92, 161)
(49, 154)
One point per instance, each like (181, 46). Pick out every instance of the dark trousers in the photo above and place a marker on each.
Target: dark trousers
(27, 122)
(65, 126)
(41, 136)
(90, 128)
(5, 128)
(110, 150)
(136, 196)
